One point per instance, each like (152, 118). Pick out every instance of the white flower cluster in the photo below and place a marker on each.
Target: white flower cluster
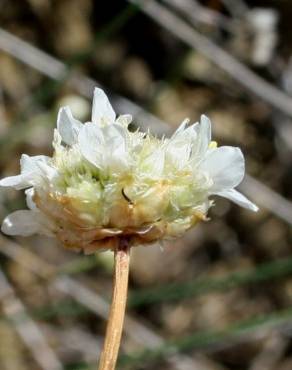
(105, 182)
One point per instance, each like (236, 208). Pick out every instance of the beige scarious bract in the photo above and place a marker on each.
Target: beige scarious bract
(105, 183)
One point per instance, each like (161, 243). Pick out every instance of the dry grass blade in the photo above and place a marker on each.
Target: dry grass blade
(238, 71)
(57, 70)
(267, 197)
(201, 14)
(27, 328)
(272, 352)
(236, 7)
(69, 339)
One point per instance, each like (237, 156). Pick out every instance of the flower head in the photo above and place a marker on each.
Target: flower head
(105, 182)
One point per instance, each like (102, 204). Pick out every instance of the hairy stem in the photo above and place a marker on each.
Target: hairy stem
(108, 357)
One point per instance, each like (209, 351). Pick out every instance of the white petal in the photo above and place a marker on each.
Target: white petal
(29, 199)
(201, 144)
(225, 165)
(158, 161)
(68, 126)
(102, 111)
(191, 132)
(124, 120)
(154, 163)
(179, 148)
(115, 134)
(16, 182)
(30, 164)
(22, 222)
(239, 199)
(181, 127)
(205, 127)
(92, 144)
(30, 171)
(117, 158)
(178, 152)
(35, 169)
(188, 135)
(47, 171)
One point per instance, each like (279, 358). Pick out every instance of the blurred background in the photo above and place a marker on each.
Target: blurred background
(217, 299)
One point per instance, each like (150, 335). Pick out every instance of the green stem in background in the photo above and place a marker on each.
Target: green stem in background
(203, 285)
(264, 272)
(210, 340)
(109, 355)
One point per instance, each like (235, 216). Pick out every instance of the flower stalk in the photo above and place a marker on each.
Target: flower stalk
(109, 354)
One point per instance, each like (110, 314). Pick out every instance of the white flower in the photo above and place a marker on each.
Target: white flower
(104, 182)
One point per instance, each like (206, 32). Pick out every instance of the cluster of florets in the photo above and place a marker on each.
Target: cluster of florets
(105, 182)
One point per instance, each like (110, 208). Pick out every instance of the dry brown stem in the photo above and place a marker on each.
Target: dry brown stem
(109, 354)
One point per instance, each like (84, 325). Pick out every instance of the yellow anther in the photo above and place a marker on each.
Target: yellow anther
(213, 145)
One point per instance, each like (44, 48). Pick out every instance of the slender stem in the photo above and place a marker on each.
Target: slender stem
(108, 357)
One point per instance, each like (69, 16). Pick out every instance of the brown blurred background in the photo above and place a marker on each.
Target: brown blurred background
(220, 297)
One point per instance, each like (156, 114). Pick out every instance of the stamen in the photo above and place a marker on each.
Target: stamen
(126, 197)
